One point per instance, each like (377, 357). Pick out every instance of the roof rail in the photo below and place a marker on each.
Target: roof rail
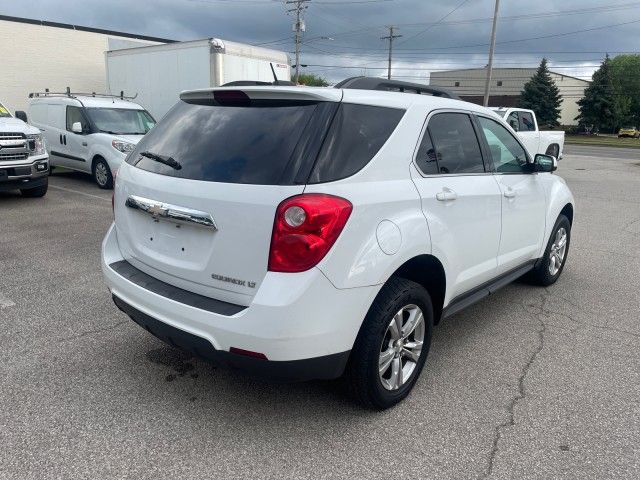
(372, 83)
(70, 94)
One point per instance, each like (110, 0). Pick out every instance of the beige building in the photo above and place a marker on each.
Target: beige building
(506, 85)
(38, 54)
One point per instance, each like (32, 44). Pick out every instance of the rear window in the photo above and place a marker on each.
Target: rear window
(267, 143)
(228, 144)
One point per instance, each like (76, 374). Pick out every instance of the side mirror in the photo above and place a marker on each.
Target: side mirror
(76, 127)
(20, 115)
(545, 163)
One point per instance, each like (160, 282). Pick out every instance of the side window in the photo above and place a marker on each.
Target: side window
(74, 114)
(526, 122)
(514, 121)
(426, 158)
(456, 145)
(507, 154)
(356, 135)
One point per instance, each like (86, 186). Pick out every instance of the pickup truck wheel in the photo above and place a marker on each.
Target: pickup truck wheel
(36, 192)
(102, 173)
(549, 268)
(392, 345)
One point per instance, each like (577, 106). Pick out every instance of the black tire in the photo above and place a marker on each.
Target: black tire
(35, 192)
(541, 274)
(105, 180)
(361, 375)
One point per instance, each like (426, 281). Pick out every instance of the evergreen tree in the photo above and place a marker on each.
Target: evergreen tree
(312, 80)
(541, 95)
(598, 106)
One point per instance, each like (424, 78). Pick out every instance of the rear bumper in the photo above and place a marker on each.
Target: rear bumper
(303, 324)
(326, 367)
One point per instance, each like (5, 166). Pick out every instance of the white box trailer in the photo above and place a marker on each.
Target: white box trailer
(157, 74)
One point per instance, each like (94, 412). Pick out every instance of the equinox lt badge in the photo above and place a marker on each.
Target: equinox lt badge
(235, 281)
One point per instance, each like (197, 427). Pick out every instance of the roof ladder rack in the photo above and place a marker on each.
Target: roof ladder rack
(70, 94)
(372, 83)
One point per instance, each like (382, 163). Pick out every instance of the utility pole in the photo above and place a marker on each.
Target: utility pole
(298, 27)
(487, 85)
(390, 37)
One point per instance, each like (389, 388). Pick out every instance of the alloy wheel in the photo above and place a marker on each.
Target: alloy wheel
(401, 347)
(558, 251)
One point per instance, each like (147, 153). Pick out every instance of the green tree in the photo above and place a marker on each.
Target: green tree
(598, 106)
(541, 95)
(625, 76)
(312, 80)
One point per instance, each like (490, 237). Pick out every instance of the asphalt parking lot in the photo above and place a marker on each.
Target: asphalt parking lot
(530, 383)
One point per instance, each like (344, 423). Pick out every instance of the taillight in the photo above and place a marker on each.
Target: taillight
(305, 228)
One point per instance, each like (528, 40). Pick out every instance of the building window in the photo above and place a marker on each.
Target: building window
(499, 83)
(457, 84)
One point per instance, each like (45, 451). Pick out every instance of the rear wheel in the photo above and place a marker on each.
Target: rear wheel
(35, 192)
(392, 345)
(102, 173)
(552, 263)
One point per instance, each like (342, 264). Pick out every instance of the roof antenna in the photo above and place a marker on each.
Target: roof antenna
(68, 91)
(121, 94)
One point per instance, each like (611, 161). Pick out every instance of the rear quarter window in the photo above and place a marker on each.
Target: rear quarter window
(356, 134)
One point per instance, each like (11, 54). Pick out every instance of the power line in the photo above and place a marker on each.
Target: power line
(434, 24)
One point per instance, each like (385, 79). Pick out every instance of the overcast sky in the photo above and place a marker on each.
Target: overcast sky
(437, 34)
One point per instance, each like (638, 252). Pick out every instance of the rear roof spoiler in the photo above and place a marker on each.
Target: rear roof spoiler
(372, 83)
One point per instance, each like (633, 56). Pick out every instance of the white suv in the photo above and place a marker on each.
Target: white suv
(307, 233)
(89, 133)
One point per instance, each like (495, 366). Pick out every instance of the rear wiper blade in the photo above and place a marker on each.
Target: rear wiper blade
(170, 161)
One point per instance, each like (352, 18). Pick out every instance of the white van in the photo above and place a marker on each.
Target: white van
(89, 133)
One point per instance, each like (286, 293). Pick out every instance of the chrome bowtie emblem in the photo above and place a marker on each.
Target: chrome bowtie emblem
(158, 210)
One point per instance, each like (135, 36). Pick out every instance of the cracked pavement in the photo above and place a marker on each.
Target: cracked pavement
(529, 383)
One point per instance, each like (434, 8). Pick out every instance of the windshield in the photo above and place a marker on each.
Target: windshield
(4, 112)
(121, 121)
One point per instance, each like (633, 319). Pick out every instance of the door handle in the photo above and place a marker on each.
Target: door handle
(510, 193)
(446, 195)
(64, 139)
(60, 139)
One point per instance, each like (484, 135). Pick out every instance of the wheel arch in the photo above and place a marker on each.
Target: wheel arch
(567, 211)
(429, 272)
(554, 147)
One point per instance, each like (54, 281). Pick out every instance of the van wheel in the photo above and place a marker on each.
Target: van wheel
(392, 345)
(550, 266)
(102, 173)
(35, 192)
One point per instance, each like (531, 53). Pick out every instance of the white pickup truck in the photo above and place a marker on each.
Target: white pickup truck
(525, 124)
(24, 163)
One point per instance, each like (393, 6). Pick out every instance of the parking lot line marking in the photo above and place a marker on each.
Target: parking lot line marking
(5, 302)
(80, 193)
